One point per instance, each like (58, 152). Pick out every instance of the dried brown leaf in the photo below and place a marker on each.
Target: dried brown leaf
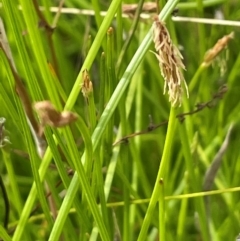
(48, 115)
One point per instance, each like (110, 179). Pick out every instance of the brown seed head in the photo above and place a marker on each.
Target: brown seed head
(87, 86)
(170, 62)
(221, 44)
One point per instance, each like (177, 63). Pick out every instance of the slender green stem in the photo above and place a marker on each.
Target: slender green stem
(183, 212)
(4, 235)
(162, 231)
(201, 30)
(194, 80)
(193, 180)
(80, 175)
(6, 202)
(83, 219)
(13, 181)
(126, 194)
(111, 82)
(98, 183)
(130, 37)
(161, 174)
(40, 55)
(92, 111)
(34, 159)
(103, 75)
(93, 52)
(119, 29)
(96, 9)
(124, 81)
(31, 198)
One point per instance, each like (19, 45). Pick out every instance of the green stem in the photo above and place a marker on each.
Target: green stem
(130, 37)
(97, 15)
(93, 52)
(194, 79)
(13, 181)
(183, 212)
(6, 202)
(201, 29)
(4, 235)
(193, 180)
(162, 231)
(37, 46)
(102, 96)
(161, 174)
(119, 29)
(126, 194)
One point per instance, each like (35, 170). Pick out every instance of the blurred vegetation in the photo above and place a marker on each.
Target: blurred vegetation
(110, 190)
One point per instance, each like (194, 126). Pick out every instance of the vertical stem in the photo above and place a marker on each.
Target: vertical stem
(162, 230)
(4, 235)
(97, 15)
(102, 95)
(161, 174)
(126, 194)
(193, 180)
(201, 28)
(183, 212)
(6, 202)
(13, 181)
(119, 29)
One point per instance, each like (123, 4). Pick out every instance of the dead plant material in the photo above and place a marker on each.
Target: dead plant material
(221, 44)
(147, 7)
(48, 115)
(170, 63)
(209, 104)
(20, 88)
(181, 117)
(87, 87)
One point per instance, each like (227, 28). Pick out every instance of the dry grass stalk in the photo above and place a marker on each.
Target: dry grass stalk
(147, 7)
(170, 63)
(221, 44)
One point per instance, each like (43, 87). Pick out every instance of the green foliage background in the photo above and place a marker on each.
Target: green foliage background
(99, 197)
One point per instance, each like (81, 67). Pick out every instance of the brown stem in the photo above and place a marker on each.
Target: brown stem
(23, 95)
(199, 107)
(49, 30)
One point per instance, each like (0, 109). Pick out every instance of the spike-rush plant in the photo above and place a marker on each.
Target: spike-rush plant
(90, 147)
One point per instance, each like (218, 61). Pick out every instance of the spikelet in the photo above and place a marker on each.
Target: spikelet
(87, 86)
(170, 63)
(221, 44)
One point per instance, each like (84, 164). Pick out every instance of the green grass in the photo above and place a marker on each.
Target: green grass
(150, 181)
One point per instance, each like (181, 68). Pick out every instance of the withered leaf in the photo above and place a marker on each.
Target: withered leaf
(48, 115)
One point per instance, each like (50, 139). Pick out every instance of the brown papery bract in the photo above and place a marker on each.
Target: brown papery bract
(48, 115)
